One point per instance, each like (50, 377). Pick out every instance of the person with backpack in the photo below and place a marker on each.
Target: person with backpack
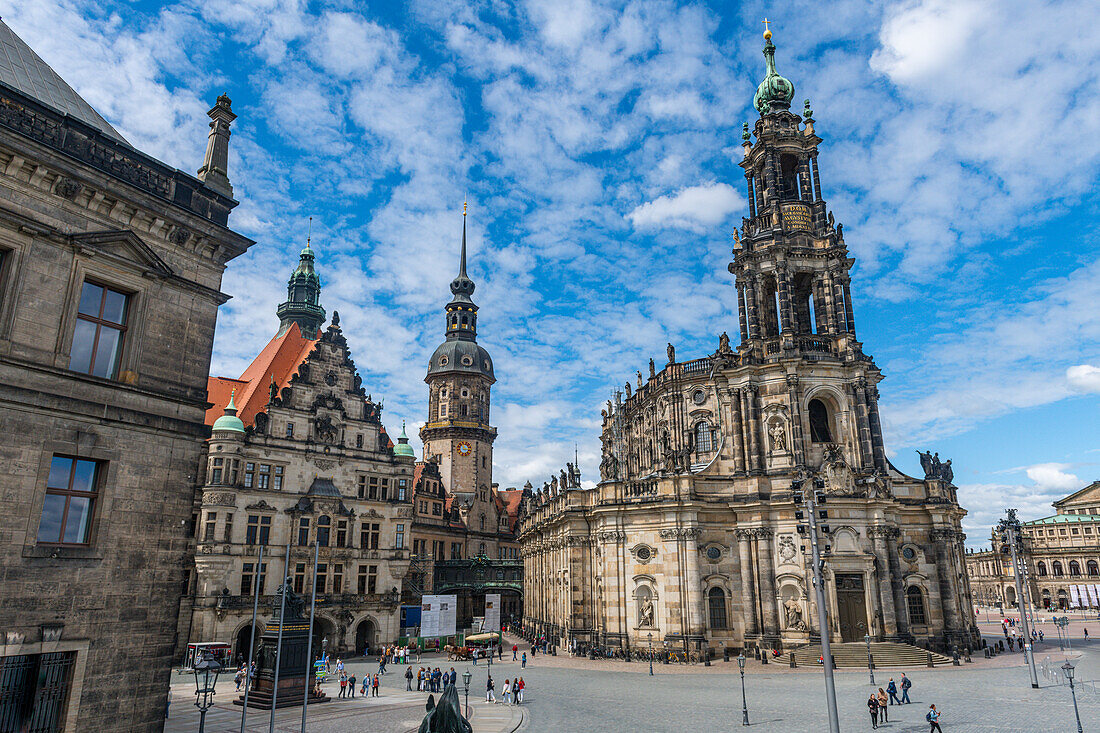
(489, 695)
(517, 690)
(882, 706)
(905, 685)
(892, 691)
(872, 708)
(933, 717)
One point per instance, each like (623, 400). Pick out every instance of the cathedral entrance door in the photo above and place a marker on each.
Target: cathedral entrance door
(851, 606)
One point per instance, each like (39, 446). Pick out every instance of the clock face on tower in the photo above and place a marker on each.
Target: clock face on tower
(464, 448)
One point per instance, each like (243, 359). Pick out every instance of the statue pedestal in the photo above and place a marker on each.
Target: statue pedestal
(295, 669)
(780, 459)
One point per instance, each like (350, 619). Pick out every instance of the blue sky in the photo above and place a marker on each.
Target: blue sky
(597, 144)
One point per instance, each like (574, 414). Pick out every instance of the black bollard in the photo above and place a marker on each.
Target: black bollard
(725, 654)
(955, 656)
(930, 664)
(966, 655)
(706, 657)
(763, 657)
(793, 662)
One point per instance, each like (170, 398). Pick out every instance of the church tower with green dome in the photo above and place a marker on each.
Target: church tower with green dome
(457, 435)
(303, 298)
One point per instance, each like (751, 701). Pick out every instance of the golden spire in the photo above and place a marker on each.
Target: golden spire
(767, 31)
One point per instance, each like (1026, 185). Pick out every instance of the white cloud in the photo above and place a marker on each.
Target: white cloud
(1084, 378)
(694, 208)
(1052, 476)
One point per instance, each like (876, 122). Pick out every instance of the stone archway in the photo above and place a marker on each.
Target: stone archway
(325, 638)
(1010, 596)
(241, 643)
(366, 637)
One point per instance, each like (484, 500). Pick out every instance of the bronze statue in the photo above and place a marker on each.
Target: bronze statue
(294, 602)
(446, 717)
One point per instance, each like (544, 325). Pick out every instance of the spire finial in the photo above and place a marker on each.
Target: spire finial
(309, 231)
(231, 408)
(767, 31)
(462, 259)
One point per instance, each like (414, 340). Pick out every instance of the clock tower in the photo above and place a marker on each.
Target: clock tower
(458, 436)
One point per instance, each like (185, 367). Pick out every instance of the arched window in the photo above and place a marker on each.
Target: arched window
(716, 603)
(323, 525)
(1042, 567)
(1093, 568)
(1074, 567)
(914, 601)
(704, 437)
(1056, 568)
(819, 422)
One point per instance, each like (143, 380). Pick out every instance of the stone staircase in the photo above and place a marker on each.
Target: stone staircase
(854, 654)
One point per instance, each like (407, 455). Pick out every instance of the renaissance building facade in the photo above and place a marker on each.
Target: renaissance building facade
(298, 457)
(1061, 554)
(111, 266)
(691, 535)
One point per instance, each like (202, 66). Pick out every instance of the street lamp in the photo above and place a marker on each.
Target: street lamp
(870, 665)
(744, 704)
(1068, 669)
(649, 636)
(206, 677)
(466, 683)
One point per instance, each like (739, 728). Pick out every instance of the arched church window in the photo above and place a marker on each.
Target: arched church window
(788, 178)
(323, 527)
(819, 422)
(914, 602)
(1042, 568)
(704, 437)
(1056, 568)
(716, 604)
(1092, 568)
(1074, 567)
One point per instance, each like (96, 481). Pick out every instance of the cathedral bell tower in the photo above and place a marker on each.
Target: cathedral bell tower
(460, 376)
(303, 298)
(793, 284)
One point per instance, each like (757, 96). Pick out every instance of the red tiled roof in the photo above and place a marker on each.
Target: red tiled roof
(279, 359)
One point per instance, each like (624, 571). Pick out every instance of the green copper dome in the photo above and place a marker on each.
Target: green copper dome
(403, 449)
(775, 91)
(229, 421)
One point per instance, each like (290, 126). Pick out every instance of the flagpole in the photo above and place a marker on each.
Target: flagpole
(279, 643)
(252, 639)
(309, 644)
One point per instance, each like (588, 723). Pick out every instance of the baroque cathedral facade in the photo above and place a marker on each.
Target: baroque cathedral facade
(691, 536)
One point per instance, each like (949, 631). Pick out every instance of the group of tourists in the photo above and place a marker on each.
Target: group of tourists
(877, 703)
(242, 677)
(394, 654)
(430, 680)
(511, 694)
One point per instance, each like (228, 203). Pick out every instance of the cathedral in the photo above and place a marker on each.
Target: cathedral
(691, 536)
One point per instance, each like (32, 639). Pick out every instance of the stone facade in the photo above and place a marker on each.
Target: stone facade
(110, 269)
(691, 536)
(308, 463)
(1061, 554)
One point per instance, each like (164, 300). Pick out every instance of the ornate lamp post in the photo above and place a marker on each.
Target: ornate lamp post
(744, 704)
(466, 684)
(1068, 669)
(649, 637)
(870, 665)
(206, 677)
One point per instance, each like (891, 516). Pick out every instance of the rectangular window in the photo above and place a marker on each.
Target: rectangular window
(277, 481)
(211, 526)
(361, 580)
(362, 486)
(399, 537)
(375, 533)
(233, 472)
(384, 489)
(401, 485)
(372, 579)
(437, 509)
(228, 528)
(36, 691)
(322, 576)
(72, 487)
(303, 532)
(246, 578)
(300, 577)
(263, 478)
(337, 578)
(359, 441)
(265, 530)
(251, 529)
(249, 475)
(341, 533)
(372, 487)
(456, 550)
(290, 430)
(100, 328)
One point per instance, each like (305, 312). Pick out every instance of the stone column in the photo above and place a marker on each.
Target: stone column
(804, 184)
(748, 587)
(794, 397)
(751, 420)
(877, 444)
(742, 313)
(817, 179)
(694, 601)
(863, 425)
(758, 184)
(786, 310)
(838, 303)
(829, 302)
(751, 307)
(766, 573)
(885, 578)
(771, 187)
(738, 431)
(752, 195)
(942, 540)
(848, 316)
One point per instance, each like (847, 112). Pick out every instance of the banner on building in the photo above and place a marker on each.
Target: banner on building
(1074, 597)
(492, 612)
(438, 615)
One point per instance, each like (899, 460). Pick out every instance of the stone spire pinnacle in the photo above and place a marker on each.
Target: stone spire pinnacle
(215, 165)
(461, 311)
(775, 92)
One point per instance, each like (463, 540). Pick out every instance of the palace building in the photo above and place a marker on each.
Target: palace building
(1061, 554)
(298, 456)
(111, 266)
(691, 536)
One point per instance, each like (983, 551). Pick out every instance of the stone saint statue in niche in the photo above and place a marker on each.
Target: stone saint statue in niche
(794, 615)
(779, 437)
(645, 613)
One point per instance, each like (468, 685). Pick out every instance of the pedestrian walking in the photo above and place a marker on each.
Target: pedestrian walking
(374, 686)
(933, 717)
(351, 686)
(523, 660)
(239, 677)
(506, 693)
(872, 708)
(515, 648)
(892, 691)
(408, 679)
(1086, 634)
(453, 678)
(517, 690)
(490, 696)
(1040, 634)
(882, 718)
(905, 685)
(343, 684)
